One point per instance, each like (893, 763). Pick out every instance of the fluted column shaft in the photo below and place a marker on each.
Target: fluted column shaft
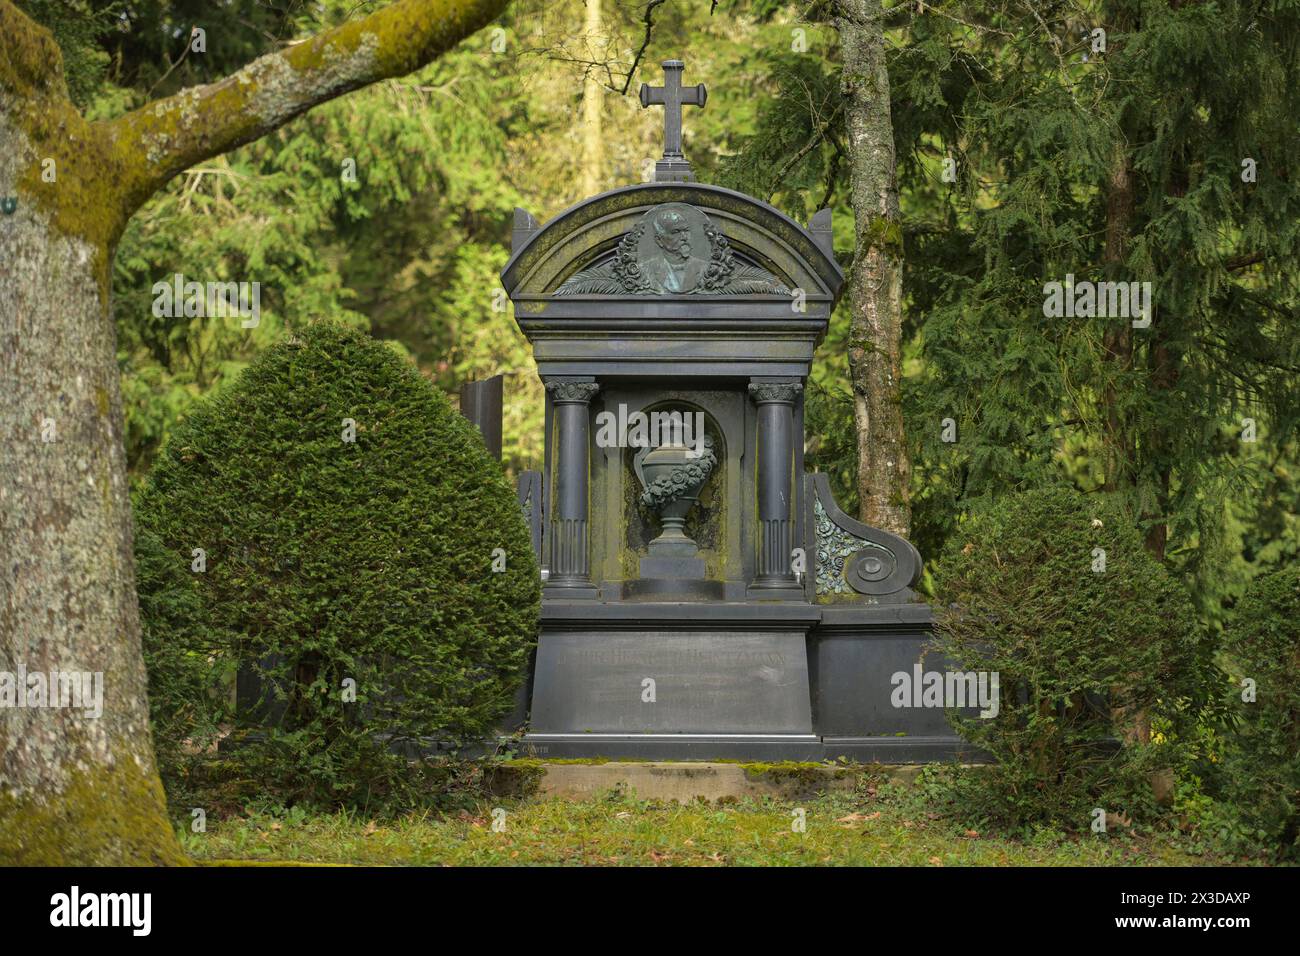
(570, 539)
(775, 403)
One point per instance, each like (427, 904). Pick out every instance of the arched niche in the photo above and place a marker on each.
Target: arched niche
(716, 523)
(706, 523)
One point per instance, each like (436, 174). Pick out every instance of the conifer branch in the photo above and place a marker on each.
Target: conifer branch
(818, 135)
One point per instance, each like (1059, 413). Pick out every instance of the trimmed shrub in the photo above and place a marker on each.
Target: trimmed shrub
(191, 680)
(1261, 767)
(1091, 638)
(347, 518)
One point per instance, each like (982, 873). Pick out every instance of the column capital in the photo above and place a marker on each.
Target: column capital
(572, 393)
(770, 393)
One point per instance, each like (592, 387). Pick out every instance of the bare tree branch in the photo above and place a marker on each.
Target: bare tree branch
(649, 27)
(189, 45)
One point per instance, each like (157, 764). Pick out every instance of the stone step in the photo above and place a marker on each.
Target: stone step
(683, 781)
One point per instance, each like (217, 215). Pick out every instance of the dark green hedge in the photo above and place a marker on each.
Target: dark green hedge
(328, 560)
(1085, 657)
(1261, 772)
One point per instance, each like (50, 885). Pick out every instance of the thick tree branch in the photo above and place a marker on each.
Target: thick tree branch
(1244, 261)
(161, 139)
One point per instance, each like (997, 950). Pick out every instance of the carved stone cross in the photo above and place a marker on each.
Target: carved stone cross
(672, 96)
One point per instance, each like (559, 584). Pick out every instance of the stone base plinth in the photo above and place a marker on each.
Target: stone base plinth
(708, 681)
(672, 680)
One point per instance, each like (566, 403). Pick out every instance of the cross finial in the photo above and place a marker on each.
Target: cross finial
(672, 96)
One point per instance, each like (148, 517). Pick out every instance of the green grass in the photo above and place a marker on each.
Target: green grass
(893, 829)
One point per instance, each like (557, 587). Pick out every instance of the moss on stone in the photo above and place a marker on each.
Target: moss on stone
(794, 772)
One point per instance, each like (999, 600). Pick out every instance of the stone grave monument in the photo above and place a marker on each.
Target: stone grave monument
(704, 598)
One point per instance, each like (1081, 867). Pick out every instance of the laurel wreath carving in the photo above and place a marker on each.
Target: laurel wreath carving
(694, 473)
(621, 274)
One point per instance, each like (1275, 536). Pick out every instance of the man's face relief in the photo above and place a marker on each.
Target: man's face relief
(673, 234)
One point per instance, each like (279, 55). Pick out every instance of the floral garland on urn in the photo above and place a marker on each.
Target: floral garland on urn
(682, 479)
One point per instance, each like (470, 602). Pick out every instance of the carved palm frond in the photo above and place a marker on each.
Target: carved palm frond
(752, 280)
(597, 280)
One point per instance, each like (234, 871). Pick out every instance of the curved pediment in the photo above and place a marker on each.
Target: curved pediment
(672, 240)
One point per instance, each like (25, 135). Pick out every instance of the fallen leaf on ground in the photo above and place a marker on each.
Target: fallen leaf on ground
(855, 817)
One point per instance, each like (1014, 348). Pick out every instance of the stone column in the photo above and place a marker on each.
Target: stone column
(570, 473)
(775, 401)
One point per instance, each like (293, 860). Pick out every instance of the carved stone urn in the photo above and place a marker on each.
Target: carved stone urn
(673, 476)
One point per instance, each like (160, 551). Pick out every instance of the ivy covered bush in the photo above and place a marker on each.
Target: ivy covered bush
(330, 523)
(1093, 642)
(1261, 766)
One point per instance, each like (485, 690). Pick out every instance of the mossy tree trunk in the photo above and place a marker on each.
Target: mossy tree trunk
(76, 788)
(876, 281)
